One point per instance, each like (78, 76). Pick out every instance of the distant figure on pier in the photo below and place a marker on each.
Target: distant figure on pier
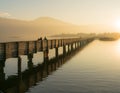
(40, 38)
(45, 38)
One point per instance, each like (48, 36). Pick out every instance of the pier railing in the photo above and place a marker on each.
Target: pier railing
(15, 49)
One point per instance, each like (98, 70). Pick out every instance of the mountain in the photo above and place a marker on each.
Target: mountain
(12, 29)
(15, 30)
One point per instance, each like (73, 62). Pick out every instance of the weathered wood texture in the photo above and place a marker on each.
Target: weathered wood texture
(14, 49)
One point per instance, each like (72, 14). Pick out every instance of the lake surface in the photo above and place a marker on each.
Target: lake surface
(93, 69)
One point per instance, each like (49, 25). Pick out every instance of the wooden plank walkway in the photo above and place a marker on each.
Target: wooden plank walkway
(15, 49)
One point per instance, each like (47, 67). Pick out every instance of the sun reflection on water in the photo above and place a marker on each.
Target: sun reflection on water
(118, 46)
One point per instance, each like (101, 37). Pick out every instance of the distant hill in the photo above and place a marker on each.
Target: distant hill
(13, 30)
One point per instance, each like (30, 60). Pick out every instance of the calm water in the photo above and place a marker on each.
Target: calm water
(94, 69)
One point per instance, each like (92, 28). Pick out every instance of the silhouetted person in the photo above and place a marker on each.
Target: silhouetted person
(45, 38)
(40, 38)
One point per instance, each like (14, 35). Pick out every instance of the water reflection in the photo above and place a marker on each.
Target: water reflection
(118, 46)
(30, 76)
(10, 66)
(95, 69)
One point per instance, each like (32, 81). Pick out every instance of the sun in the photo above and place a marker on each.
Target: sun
(117, 24)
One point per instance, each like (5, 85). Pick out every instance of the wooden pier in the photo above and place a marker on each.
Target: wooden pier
(15, 49)
(23, 80)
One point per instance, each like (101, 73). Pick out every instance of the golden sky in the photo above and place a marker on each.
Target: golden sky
(73, 11)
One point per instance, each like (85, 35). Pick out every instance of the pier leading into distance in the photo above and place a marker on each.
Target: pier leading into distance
(15, 49)
(23, 80)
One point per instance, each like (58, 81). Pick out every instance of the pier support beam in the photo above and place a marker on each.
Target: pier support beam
(68, 48)
(45, 64)
(81, 43)
(30, 63)
(19, 68)
(71, 46)
(27, 48)
(16, 50)
(78, 44)
(2, 51)
(40, 44)
(75, 45)
(45, 50)
(64, 50)
(35, 47)
(2, 74)
(56, 52)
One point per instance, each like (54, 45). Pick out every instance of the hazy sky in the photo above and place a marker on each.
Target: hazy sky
(74, 11)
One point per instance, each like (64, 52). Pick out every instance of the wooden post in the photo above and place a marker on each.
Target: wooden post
(27, 48)
(57, 43)
(64, 49)
(46, 54)
(2, 51)
(78, 44)
(54, 43)
(61, 42)
(19, 67)
(46, 50)
(75, 45)
(40, 44)
(2, 74)
(68, 48)
(56, 52)
(35, 46)
(81, 44)
(71, 46)
(30, 63)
